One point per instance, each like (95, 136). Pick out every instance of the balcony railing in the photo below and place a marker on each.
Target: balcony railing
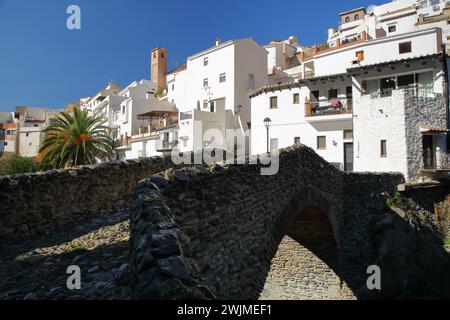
(168, 145)
(124, 142)
(436, 160)
(329, 107)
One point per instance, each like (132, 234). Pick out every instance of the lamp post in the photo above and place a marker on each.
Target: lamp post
(267, 123)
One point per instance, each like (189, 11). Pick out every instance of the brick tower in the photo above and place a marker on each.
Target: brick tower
(158, 62)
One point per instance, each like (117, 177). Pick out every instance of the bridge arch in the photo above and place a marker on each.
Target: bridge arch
(301, 255)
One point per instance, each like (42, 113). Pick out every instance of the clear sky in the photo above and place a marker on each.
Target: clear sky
(44, 64)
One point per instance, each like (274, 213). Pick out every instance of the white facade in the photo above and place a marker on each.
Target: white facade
(291, 124)
(376, 51)
(213, 90)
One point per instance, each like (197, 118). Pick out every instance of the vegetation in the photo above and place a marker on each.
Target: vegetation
(16, 164)
(392, 200)
(76, 138)
(161, 91)
(324, 46)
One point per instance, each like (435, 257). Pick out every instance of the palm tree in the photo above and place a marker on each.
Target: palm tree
(76, 138)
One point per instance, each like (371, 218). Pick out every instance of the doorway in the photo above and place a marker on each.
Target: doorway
(428, 152)
(348, 157)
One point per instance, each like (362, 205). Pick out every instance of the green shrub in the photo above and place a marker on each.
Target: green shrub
(17, 164)
(391, 201)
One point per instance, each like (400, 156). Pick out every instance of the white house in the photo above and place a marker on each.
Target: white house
(211, 93)
(126, 121)
(360, 106)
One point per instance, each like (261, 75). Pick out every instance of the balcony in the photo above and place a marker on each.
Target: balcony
(123, 143)
(331, 108)
(167, 146)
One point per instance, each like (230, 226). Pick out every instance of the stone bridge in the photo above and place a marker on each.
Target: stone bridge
(308, 232)
(223, 231)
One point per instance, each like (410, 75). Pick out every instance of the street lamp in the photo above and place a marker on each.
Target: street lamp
(267, 123)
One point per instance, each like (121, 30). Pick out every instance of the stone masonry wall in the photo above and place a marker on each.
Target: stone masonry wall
(421, 112)
(222, 226)
(32, 199)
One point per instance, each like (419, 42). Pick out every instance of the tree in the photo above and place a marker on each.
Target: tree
(76, 138)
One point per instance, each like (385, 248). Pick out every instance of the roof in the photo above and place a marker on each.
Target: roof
(178, 69)
(354, 10)
(391, 62)
(325, 78)
(432, 129)
(273, 87)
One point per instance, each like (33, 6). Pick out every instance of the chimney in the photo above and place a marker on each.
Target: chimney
(218, 41)
(158, 62)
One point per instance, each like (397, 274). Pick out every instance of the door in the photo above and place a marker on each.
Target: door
(348, 157)
(428, 152)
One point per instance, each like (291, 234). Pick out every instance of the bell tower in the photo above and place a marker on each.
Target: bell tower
(158, 62)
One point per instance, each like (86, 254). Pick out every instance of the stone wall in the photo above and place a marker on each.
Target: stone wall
(215, 232)
(33, 199)
(421, 112)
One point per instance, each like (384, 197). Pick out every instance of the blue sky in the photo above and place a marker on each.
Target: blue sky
(42, 63)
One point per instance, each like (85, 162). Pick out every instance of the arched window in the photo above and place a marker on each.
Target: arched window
(356, 17)
(347, 20)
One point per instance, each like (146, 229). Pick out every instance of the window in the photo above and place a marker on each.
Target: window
(223, 77)
(383, 149)
(356, 17)
(273, 102)
(5, 143)
(387, 85)
(315, 95)
(360, 55)
(173, 87)
(123, 109)
(36, 125)
(251, 81)
(296, 140)
(30, 144)
(332, 93)
(162, 55)
(321, 142)
(349, 91)
(347, 19)
(205, 83)
(405, 81)
(154, 55)
(348, 134)
(296, 98)
(205, 104)
(371, 87)
(27, 135)
(392, 28)
(425, 84)
(405, 47)
(205, 61)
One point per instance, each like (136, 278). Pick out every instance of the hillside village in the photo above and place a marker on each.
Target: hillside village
(372, 97)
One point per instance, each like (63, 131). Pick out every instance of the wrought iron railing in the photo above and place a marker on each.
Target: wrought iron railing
(329, 107)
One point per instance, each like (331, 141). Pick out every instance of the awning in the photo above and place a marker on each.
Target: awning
(430, 129)
(331, 77)
(423, 58)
